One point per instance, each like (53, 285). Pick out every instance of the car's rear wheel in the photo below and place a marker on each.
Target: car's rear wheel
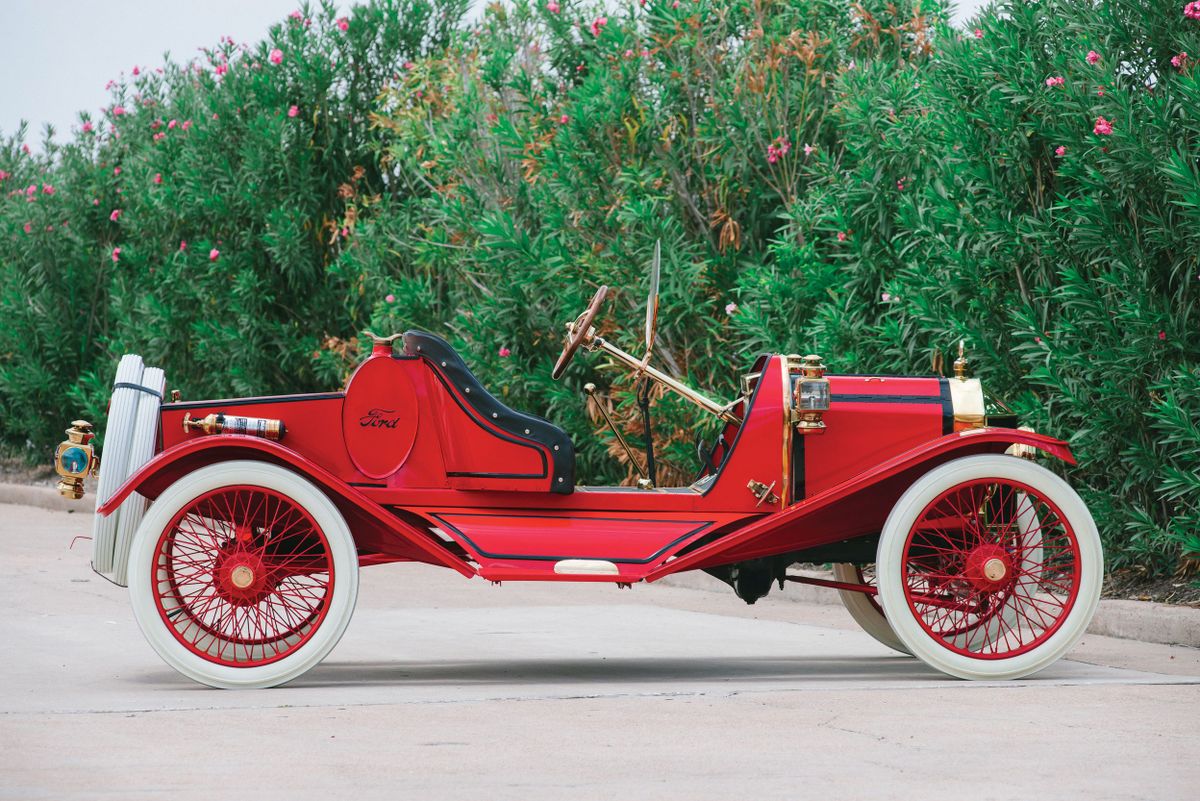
(989, 567)
(243, 574)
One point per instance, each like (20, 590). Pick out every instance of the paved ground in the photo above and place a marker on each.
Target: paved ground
(447, 688)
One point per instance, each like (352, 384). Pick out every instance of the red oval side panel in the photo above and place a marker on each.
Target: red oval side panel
(379, 417)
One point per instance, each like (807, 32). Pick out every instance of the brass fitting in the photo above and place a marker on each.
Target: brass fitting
(75, 459)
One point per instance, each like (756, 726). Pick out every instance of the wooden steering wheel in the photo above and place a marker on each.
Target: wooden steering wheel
(577, 332)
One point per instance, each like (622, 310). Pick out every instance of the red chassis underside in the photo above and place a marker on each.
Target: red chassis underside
(423, 471)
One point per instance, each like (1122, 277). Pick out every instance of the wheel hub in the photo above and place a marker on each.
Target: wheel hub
(989, 568)
(241, 577)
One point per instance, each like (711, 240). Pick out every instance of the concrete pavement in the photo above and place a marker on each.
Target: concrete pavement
(448, 688)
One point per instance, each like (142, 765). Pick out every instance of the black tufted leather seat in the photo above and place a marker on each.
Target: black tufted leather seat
(442, 358)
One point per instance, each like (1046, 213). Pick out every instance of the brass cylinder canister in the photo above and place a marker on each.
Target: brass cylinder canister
(217, 423)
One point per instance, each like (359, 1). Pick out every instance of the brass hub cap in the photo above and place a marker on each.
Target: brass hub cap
(993, 569)
(989, 567)
(242, 576)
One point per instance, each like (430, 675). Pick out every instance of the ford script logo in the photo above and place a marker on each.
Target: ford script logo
(380, 418)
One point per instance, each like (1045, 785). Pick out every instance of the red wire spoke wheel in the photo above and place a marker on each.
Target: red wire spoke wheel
(970, 568)
(243, 574)
(989, 566)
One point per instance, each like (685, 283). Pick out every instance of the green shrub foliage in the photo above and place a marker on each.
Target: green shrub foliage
(854, 179)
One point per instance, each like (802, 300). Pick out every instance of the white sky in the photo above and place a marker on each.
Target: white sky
(58, 54)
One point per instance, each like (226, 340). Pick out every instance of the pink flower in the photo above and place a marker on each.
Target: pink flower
(492, 118)
(1060, 151)
(552, 7)
(504, 352)
(154, 126)
(108, 86)
(159, 135)
(675, 4)
(183, 244)
(599, 22)
(343, 24)
(221, 69)
(187, 124)
(136, 70)
(1179, 61)
(293, 111)
(4, 175)
(275, 56)
(31, 190)
(886, 297)
(47, 189)
(1056, 80)
(1104, 127)
(390, 298)
(116, 214)
(214, 254)
(216, 116)
(841, 236)
(117, 111)
(29, 228)
(1162, 335)
(116, 255)
(900, 184)
(116, 170)
(731, 308)
(95, 201)
(87, 127)
(1192, 10)
(978, 33)
(564, 119)
(1092, 57)
(1037, 340)
(171, 125)
(628, 54)
(296, 15)
(158, 177)
(408, 65)
(808, 150)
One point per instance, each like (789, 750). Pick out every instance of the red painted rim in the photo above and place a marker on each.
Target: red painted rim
(243, 576)
(969, 527)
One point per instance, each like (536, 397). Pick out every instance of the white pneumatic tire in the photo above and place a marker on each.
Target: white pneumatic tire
(144, 571)
(864, 609)
(1070, 617)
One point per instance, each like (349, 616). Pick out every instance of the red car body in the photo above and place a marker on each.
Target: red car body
(426, 465)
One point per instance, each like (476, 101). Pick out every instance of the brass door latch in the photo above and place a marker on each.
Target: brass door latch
(763, 492)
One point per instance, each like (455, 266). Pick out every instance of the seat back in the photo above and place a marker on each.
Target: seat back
(486, 444)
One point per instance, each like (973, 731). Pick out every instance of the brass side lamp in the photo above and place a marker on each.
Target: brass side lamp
(75, 459)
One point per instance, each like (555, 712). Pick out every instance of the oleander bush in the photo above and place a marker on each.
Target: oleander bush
(855, 179)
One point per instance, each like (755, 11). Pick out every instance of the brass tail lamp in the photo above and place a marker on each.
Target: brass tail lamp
(75, 459)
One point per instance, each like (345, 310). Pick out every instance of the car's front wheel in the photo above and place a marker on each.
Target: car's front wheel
(989, 567)
(243, 574)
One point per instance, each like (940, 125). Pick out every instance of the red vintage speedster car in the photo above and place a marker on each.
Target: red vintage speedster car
(240, 525)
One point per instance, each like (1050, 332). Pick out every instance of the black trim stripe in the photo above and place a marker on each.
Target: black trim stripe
(530, 558)
(313, 396)
(798, 488)
(138, 388)
(947, 406)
